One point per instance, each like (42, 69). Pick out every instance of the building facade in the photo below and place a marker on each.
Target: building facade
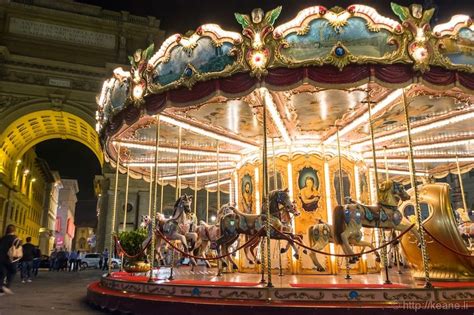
(83, 239)
(65, 227)
(54, 56)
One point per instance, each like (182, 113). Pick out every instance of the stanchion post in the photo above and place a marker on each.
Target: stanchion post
(114, 210)
(421, 232)
(275, 186)
(124, 226)
(265, 194)
(461, 184)
(177, 192)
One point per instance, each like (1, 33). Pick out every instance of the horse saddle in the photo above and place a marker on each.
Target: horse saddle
(169, 226)
(355, 215)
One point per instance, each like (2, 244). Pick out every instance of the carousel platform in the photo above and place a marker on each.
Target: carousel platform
(202, 292)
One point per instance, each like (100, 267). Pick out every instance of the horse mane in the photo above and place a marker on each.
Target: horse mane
(175, 208)
(273, 202)
(338, 215)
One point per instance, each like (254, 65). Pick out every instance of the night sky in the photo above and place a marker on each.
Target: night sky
(179, 16)
(74, 160)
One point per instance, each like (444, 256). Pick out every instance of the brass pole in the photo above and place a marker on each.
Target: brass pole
(161, 195)
(150, 195)
(195, 190)
(153, 218)
(266, 195)
(387, 176)
(207, 206)
(275, 187)
(341, 192)
(114, 211)
(126, 200)
(178, 163)
(218, 179)
(421, 232)
(464, 203)
(377, 187)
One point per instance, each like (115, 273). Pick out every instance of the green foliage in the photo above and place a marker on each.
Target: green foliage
(131, 241)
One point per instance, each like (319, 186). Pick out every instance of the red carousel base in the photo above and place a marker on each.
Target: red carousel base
(201, 292)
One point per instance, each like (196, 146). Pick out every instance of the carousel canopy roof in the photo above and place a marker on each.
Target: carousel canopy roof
(315, 74)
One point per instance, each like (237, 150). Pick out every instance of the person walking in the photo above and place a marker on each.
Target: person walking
(80, 256)
(72, 261)
(36, 261)
(105, 257)
(52, 259)
(10, 244)
(27, 261)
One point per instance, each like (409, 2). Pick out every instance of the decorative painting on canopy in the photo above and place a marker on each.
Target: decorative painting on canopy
(317, 36)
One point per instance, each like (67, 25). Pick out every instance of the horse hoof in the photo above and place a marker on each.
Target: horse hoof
(259, 262)
(224, 264)
(296, 256)
(320, 269)
(377, 259)
(305, 252)
(282, 250)
(250, 262)
(234, 267)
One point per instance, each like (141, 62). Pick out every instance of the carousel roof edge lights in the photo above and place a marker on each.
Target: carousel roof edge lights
(320, 48)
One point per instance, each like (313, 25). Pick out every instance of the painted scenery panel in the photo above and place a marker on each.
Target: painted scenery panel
(322, 37)
(460, 51)
(205, 57)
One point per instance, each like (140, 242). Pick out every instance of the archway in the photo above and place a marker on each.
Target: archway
(33, 128)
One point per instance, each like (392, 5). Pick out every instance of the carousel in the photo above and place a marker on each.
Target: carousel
(327, 138)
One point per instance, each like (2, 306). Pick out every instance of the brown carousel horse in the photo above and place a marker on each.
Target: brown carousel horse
(350, 218)
(234, 224)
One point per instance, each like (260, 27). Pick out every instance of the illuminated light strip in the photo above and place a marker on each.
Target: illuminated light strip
(191, 175)
(357, 182)
(175, 150)
(419, 129)
(257, 193)
(399, 172)
(365, 117)
(448, 27)
(426, 160)
(327, 186)
(298, 20)
(216, 29)
(223, 182)
(290, 183)
(183, 164)
(374, 15)
(275, 115)
(424, 147)
(236, 188)
(153, 61)
(206, 133)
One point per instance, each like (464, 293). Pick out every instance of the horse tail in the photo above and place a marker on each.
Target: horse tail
(338, 215)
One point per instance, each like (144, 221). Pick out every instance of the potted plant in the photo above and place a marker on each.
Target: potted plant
(132, 244)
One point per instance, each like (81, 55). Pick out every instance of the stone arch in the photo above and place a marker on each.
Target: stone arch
(30, 129)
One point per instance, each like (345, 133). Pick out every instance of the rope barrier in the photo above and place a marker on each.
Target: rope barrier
(248, 243)
(344, 255)
(122, 250)
(446, 246)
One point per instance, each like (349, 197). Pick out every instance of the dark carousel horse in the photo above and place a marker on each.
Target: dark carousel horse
(234, 224)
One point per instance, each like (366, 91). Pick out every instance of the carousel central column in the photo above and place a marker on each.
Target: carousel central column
(421, 231)
(376, 180)
(266, 195)
(114, 210)
(155, 197)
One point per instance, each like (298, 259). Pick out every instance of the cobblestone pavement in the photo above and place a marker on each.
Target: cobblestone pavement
(50, 293)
